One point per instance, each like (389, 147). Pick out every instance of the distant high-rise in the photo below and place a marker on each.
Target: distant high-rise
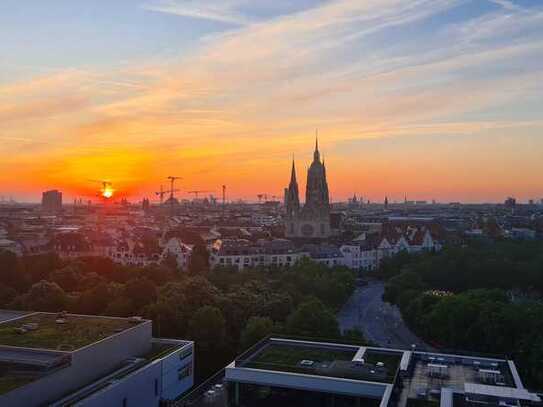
(51, 201)
(146, 205)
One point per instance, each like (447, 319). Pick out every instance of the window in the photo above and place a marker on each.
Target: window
(156, 387)
(184, 372)
(185, 353)
(125, 402)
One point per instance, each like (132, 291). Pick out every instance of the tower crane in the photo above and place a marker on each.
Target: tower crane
(198, 192)
(172, 181)
(163, 192)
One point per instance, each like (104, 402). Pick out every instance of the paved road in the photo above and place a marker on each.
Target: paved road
(381, 322)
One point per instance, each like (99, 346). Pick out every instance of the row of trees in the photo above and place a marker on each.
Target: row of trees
(224, 311)
(503, 264)
(461, 299)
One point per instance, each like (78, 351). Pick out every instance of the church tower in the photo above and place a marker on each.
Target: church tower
(312, 221)
(292, 199)
(316, 194)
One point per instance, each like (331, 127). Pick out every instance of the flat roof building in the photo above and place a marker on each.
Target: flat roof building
(295, 373)
(67, 359)
(51, 201)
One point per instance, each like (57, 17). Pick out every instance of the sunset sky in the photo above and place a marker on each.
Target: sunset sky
(439, 99)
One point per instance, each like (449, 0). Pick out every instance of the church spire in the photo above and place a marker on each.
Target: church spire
(316, 154)
(293, 173)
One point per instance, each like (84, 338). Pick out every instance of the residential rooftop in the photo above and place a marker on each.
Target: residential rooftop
(62, 332)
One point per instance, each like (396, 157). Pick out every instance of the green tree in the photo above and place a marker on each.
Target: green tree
(207, 327)
(120, 307)
(94, 301)
(38, 267)
(45, 296)
(7, 294)
(141, 291)
(11, 271)
(256, 329)
(401, 283)
(355, 335)
(67, 277)
(312, 319)
(199, 260)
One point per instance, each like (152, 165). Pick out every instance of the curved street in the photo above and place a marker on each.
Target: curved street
(381, 322)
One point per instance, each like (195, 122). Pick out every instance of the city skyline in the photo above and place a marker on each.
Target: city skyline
(433, 99)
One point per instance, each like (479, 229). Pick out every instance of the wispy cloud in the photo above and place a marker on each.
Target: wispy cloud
(225, 11)
(356, 69)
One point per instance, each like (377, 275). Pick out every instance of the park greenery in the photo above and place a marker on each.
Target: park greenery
(481, 298)
(224, 311)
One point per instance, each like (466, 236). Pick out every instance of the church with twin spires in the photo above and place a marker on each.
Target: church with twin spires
(312, 221)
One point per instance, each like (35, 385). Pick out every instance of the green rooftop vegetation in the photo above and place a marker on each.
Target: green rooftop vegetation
(291, 355)
(323, 361)
(74, 333)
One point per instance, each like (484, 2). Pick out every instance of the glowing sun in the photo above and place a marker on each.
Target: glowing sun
(107, 192)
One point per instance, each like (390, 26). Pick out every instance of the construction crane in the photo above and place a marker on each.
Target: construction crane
(163, 192)
(223, 199)
(198, 192)
(172, 180)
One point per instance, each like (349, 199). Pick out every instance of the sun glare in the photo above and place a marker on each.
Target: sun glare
(107, 192)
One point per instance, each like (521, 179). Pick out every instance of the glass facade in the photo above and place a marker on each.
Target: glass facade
(252, 395)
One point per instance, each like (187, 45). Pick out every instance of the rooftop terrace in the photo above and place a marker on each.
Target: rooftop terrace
(430, 373)
(48, 331)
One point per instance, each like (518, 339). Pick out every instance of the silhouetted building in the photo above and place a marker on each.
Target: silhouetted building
(51, 201)
(510, 202)
(313, 220)
(146, 205)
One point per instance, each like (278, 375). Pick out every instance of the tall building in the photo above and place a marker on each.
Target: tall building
(51, 201)
(312, 221)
